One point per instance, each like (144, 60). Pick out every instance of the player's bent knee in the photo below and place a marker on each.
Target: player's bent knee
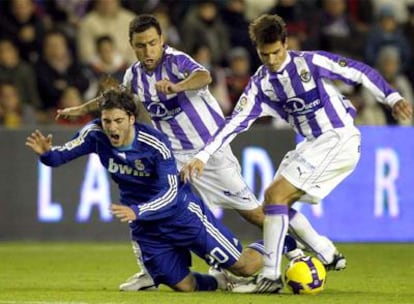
(272, 195)
(282, 192)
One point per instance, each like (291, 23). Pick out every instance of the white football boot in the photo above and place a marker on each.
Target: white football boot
(260, 285)
(139, 281)
(226, 280)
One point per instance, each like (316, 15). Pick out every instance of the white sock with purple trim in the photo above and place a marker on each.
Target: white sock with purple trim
(275, 227)
(303, 231)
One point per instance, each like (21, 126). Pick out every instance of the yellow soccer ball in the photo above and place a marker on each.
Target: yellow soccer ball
(305, 275)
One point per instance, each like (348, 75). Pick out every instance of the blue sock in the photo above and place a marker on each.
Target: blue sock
(289, 245)
(205, 282)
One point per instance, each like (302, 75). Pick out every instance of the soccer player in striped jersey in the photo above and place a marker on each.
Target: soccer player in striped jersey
(165, 217)
(298, 87)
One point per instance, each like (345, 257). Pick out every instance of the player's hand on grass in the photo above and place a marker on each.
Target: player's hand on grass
(70, 112)
(402, 110)
(192, 169)
(124, 213)
(38, 142)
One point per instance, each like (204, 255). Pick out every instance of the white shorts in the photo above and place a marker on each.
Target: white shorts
(221, 184)
(318, 166)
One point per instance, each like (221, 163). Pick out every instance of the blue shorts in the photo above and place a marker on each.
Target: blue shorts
(166, 245)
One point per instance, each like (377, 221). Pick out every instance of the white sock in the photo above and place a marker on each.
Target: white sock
(138, 255)
(301, 229)
(275, 227)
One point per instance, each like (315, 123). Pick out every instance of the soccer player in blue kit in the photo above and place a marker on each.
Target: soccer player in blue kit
(297, 86)
(165, 217)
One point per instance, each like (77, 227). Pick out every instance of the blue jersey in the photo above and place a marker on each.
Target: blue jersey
(171, 219)
(146, 172)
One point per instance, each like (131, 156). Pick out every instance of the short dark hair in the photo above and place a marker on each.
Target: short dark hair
(118, 99)
(142, 23)
(267, 29)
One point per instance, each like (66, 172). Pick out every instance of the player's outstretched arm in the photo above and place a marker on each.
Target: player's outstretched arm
(105, 83)
(89, 106)
(39, 143)
(192, 169)
(402, 110)
(195, 81)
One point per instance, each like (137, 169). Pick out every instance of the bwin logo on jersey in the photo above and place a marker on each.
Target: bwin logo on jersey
(114, 167)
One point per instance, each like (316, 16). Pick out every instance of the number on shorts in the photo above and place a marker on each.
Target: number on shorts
(218, 255)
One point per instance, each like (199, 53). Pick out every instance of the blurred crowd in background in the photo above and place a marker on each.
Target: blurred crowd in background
(53, 53)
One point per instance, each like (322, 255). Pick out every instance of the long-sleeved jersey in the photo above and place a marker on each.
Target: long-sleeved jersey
(303, 94)
(188, 118)
(146, 171)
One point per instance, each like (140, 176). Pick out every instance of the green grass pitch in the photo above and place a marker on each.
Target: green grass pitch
(77, 273)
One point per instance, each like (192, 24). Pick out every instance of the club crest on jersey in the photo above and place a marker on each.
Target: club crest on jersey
(139, 165)
(241, 104)
(342, 62)
(305, 76)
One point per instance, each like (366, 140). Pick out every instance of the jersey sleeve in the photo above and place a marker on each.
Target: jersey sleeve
(246, 111)
(165, 201)
(186, 65)
(353, 72)
(81, 144)
(126, 80)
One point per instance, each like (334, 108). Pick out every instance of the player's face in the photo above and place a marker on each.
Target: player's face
(148, 47)
(273, 54)
(118, 126)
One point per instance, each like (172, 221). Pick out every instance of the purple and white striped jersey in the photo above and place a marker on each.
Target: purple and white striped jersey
(303, 94)
(188, 118)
